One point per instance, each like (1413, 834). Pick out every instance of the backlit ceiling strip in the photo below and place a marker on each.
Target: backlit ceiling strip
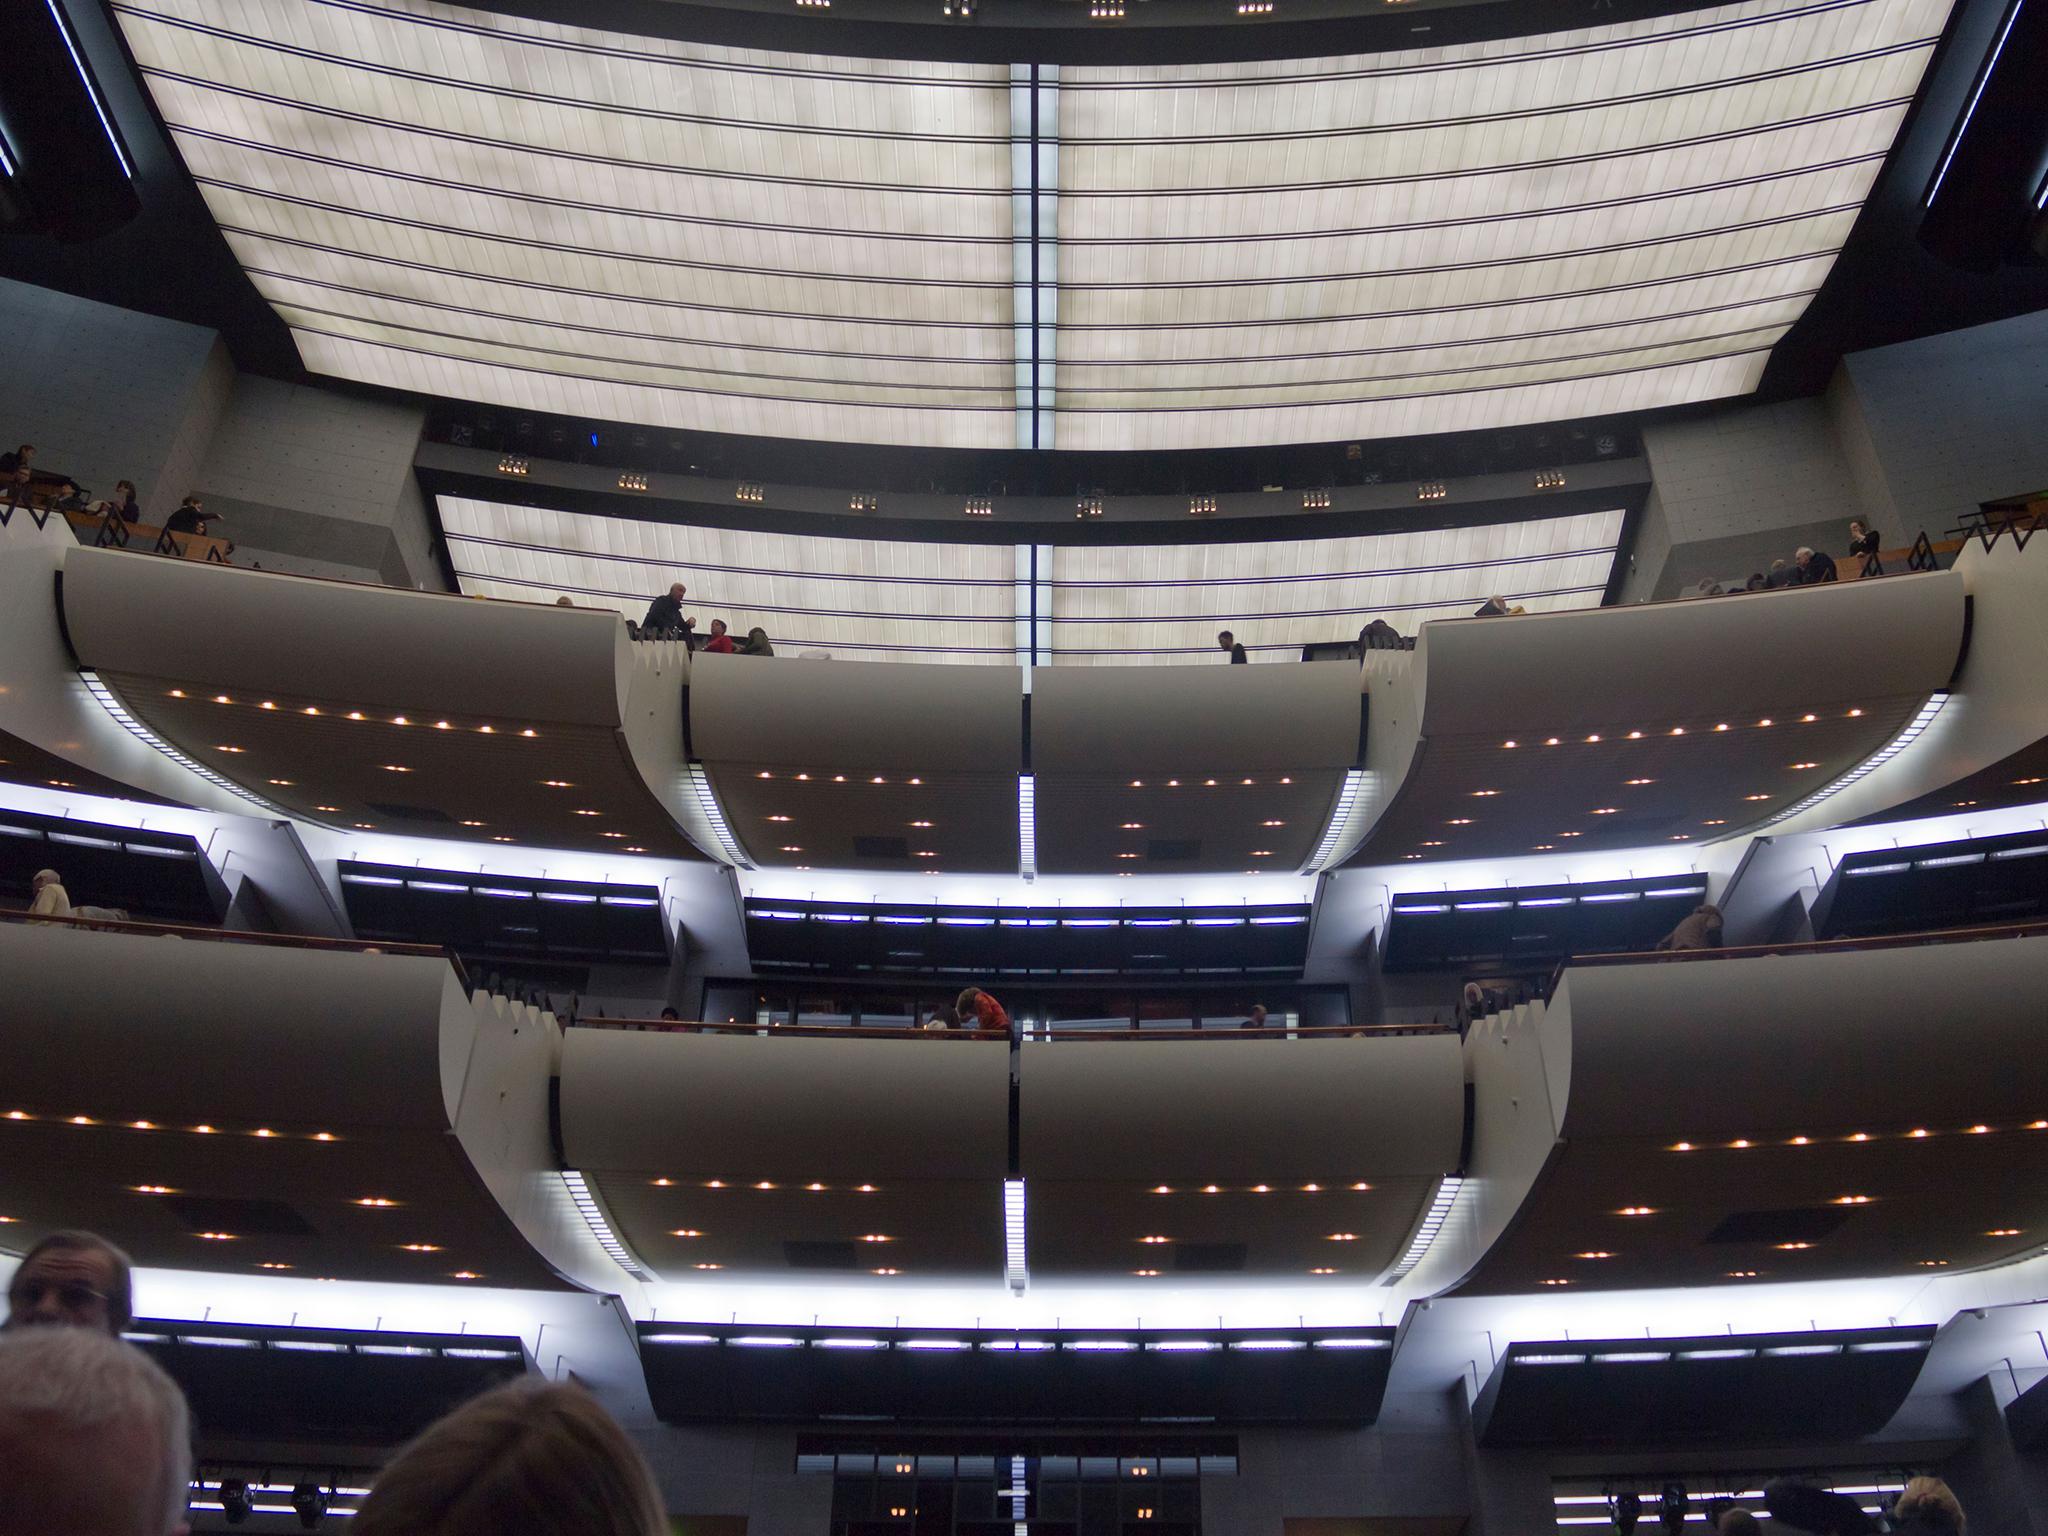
(876, 599)
(556, 218)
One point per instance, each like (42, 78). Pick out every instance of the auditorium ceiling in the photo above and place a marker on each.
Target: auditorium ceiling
(1128, 257)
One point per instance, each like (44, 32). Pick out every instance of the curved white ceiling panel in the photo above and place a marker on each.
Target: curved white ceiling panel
(1604, 220)
(557, 218)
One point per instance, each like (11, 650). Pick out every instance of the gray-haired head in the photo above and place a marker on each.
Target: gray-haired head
(96, 1439)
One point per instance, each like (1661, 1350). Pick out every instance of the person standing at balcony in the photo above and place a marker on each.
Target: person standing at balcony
(665, 620)
(1863, 547)
(1256, 1019)
(1698, 929)
(757, 643)
(1227, 642)
(978, 1010)
(720, 643)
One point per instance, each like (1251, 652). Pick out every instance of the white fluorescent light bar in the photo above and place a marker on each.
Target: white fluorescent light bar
(601, 1229)
(1869, 765)
(1015, 1269)
(1101, 1346)
(1482, 906)
(1878, 869)
(1548, 1360)
(1715, 1354)
(1269, 1344)
(714, 814)
(1205, 922)
(849, 1344)
(629, 901)
(370, 880)
(99, 107)
(681, 1338)
(1405, 911)
(219, 1342)
(1352, 1343)
(1185, 1346)
(1027, 826)
(1632, 1357)
(1601, 896)
(573, 898)
(1432, 1223)
(946, 1344)
(1278, 922)
(766, 1341)
(310, 1346)
(1949, 861)
(433, 885)
(1976, 94)
(1803, 1349)
(504, 891)
(1885, 1347)
(1547, 901)
(1341, 815)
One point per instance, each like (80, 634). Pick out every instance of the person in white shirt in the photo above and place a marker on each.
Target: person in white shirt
(51, 899)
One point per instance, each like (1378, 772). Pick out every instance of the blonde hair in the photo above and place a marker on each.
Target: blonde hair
(1932, 1500)
(532, 1457)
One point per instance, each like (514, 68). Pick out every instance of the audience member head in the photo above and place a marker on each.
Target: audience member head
(533, 1457)
(563, 602)
(78, 1279)
(95, 1438)
(670, 1013)
(1855, 527)
(1225, 640)
(1755, 582)
(24, 453)
(124, 490)
(964, 1006)
(676, 590)
(717, 628)
(42, 878)
(1802, 554)
(1259, 1014)
(1932, 1503)
(1777, 565)
(1738, 1522)
(757, 642)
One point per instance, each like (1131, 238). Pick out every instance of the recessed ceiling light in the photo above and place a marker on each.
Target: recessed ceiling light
(1741, 1274)
(1155, 1239)
(1808, 719)
(419, 1247)
(1361, 1186)
(1325, 1269)
(2003, 1232)
(1756, 797)
(865, 1189)
(235, 750)
(885, 1271)
(1212, 1189)
(876, 1237)
(1850, 1200)
(686, 1232)
(2035, 780)
(710, 1266)
(788, 848)
(1607, 810)
(1718, 821)
(1145, 1274)
(1791, 1247)
(465, 1274)
(177, 693)
(590, 813)
(1590, 740)
(1343, 1237)
(395, 768)
(1484, 794)
(1559, 1281)
(1511, 743)
(1637, 1210)
(221, 698)
(1934, 1263)
(1541, 847)
(216, 1237)
(400, 720)
(1641, 781)
(1802, 765)
(1550, 741)
(1596, 1253)
(557, 784)
(1855, 714)
(152, 1189)
(272, 1264)
(1570, 834)
(764, 1184)
(778, 818)
(374, 1202)
(1459, 821)
(921, 824)
(282, 783)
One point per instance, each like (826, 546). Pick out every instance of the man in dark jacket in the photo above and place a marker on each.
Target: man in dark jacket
(665, 620)
(1226, 641)
(1814, 566)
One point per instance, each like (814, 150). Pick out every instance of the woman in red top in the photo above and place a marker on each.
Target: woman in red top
(720, 641)
(977, 1008)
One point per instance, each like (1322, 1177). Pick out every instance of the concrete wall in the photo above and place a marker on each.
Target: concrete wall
(107, 394)
(319, 483)
(1908, 437)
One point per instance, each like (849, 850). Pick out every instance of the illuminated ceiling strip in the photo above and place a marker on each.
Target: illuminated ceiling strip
(1034, 248)
(92, 89)
(1432, 1223)
(1027, 826)
(1955, 141)
(143, 733)
(1898, 744)
(714, 814)
(601, 1229)
(1338, 834)
(1015, 1270)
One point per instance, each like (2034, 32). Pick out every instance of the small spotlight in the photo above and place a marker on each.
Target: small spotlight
(309, 1500)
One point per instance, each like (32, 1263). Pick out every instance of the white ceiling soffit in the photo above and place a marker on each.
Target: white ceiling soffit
(875, 599)
(1610, 219)
(556, 218)
(1165, 603)
(870, 599)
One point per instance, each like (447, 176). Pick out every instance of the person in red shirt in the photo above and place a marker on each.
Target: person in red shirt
(720, 641)
(980, 1011)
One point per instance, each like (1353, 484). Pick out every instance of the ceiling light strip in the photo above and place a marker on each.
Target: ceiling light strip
(1034, 244)
(1432, 1223)
(1015, 1270)
(92, 89)
(714, 816)
(1340, 833)
(1976, 94)
(1027, 826)
(113, 706)
(1923, 718)
(601, 1229)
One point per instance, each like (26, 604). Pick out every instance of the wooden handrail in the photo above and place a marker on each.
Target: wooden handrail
(1037, 1033)
(234, 935)
(108, 530)
(1810, 947)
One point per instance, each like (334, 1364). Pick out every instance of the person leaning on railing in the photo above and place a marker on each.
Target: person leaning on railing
(978, 1010)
